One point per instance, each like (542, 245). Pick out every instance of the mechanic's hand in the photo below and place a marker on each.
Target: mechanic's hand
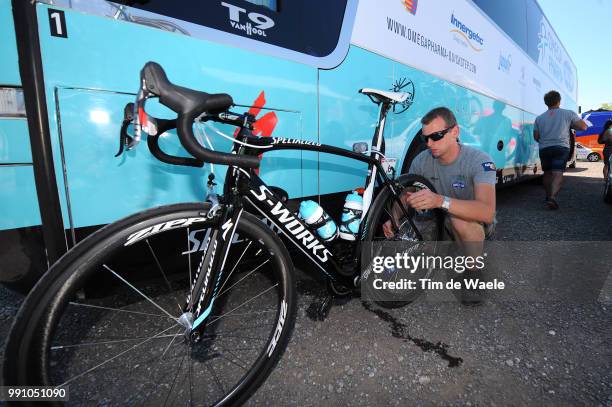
(424, 199)
(388, 229)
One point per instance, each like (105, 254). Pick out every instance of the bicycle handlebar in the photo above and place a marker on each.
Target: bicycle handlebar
(189, 104)
(161, 126)
(153, 144)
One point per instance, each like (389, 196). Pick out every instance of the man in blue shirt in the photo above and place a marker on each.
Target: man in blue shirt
(552, 131)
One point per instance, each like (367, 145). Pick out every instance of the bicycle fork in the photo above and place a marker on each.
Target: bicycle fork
(207, 282)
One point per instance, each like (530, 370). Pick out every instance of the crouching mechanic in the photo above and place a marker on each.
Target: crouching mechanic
(464, 179)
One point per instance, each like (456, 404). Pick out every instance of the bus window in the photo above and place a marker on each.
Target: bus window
(509, 16)
(288, 25)
(534, 21)
(271, 4)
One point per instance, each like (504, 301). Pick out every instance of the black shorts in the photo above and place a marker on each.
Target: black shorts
(554, 158)
(488, 228)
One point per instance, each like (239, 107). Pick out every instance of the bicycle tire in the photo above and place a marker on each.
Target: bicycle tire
(379, 213)
(54, 311)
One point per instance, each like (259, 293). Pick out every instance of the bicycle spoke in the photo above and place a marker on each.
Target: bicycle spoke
(249, 313)
(115, 357)
(232, 361)
(217, 381)
(170, 344)
(139, 292)
(245, 349)
(236, 329)
(175, 377)
(235, 356)
(241, 337)
(57, 347)
(161, 270)
(237, 282)
(244, 303)
(149, 378)
(117, 309)
(234, 268)
(190, 376)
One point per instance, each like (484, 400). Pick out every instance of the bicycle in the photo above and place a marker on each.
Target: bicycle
(196, 300)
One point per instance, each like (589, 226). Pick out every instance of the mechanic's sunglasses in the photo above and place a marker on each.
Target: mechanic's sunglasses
(436, 135)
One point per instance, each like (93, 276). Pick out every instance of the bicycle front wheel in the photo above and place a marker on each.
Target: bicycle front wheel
(104, 320)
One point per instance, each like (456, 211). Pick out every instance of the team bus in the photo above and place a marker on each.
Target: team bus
(70, 66)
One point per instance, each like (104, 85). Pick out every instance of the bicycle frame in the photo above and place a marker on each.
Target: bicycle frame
(243, 186)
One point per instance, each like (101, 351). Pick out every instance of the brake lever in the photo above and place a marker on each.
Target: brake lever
(124, 138)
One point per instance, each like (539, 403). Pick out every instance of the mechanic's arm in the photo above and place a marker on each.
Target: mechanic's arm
(480, 209)
(536, 135)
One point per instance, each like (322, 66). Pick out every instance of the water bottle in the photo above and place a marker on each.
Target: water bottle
(351, 216)
(315, 217)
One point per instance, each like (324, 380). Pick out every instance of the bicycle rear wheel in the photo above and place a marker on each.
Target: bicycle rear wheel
(430, 226)
(104, 319)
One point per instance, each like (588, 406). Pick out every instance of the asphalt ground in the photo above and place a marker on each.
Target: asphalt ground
(504, 352)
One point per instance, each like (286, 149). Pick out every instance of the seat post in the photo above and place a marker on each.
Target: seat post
(377, 139)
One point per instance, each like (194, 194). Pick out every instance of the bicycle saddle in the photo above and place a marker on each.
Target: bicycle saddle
(379, 96)
(179, 99)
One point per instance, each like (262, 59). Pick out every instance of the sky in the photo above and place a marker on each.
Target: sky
(585, 29)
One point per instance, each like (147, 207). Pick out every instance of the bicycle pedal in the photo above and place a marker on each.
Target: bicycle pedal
(319, 310)
(325, 307)
(338, 290)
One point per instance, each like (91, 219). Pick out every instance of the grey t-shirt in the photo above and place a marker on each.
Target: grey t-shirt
(457, 179)
(554, 126)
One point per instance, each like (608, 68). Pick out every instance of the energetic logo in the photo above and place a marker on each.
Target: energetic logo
(468, 35)
(262, 22)
(411, 6)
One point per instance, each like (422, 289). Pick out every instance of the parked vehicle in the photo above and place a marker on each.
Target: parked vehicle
(595, 119)
(585, 153)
